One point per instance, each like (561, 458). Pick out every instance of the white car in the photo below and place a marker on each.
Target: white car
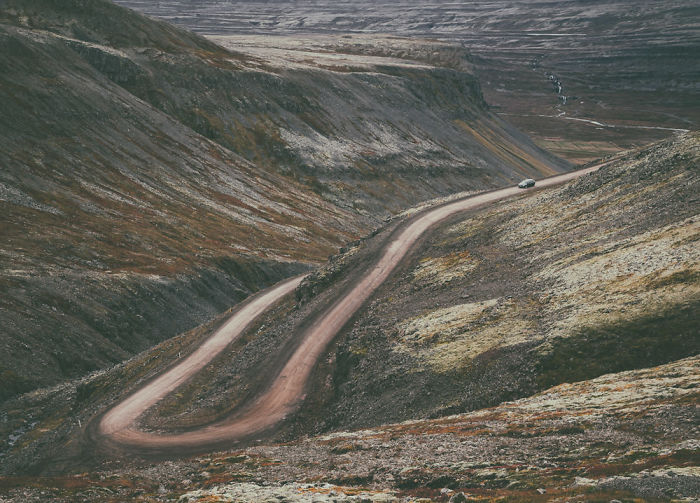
(528, 182)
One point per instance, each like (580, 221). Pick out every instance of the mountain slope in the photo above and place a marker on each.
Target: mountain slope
(597, 276)
(600, 275)
(151, 178)
(472, 319)
(584, 79)
(388, 120)
(117, 220)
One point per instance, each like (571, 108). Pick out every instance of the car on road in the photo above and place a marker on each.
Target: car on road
(528, 182)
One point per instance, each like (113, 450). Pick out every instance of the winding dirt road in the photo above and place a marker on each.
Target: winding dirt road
(287, 390)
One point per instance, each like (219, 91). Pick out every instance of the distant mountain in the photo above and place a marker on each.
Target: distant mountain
(627, 68)
(152, 178)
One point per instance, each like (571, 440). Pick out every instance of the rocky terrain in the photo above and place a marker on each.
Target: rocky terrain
(541, 348)
(151, 178)
(511, 301)
(583, 78)
(598, 276)
(496, 305)
(631, 436)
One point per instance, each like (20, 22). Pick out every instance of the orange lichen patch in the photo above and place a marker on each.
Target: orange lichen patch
(681, 458)
(353, 491)
(314, 490)
(346, 447)
(221, 479)
(349, 491)
(272, 463)
(77, 482)
(210, 498)
(222, 60)
(623, 387)
(235, 457)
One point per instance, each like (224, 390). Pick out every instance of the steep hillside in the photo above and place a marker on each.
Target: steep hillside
(620, 437)
(120, 225)
(151, 178)
(492, 306)
(598, 276)
(332, 126)
(583, 78)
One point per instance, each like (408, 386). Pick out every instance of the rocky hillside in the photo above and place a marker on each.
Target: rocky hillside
(598, 276)
(331, 126)
(629, 436)
(151, 178)
(582, 78)
(120, 225)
